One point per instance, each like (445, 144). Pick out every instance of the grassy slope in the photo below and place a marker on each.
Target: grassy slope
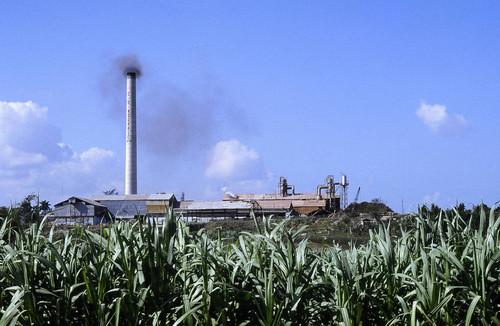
(321, 231)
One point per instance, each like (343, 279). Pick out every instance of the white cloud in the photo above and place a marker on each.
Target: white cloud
(21, 111)
(25, 127)
(232, 160)
(87, 173)
(35, 160)
(84, 163)
(12, 157)
(94, 157)
(438, 120)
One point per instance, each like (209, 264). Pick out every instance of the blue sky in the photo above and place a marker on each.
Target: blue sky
(402, 97)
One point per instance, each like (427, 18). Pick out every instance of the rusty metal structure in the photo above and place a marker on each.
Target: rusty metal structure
(344, 184)
(286, 201)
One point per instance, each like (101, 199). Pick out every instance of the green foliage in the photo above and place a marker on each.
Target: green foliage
(441, 269)
(377, 201)
(376, 208)
(110, 192)
(30, 210)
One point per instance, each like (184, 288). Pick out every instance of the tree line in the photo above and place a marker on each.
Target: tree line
(30, 210)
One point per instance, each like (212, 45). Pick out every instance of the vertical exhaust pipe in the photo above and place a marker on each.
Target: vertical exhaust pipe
(131, 138)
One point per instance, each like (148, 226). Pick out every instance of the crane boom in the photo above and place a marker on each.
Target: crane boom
(357, 196)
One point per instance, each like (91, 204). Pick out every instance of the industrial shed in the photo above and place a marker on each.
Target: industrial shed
(213, 210)
(131, 206)
(277, 204)
(77, 210)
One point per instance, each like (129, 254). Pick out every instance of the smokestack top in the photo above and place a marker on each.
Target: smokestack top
(129, 64)
(132, 71)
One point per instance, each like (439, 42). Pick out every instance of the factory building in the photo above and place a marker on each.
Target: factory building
(329, 196)
(302, 204)
(201, 211)
(77, 210)
(131, 206)
(285, 202)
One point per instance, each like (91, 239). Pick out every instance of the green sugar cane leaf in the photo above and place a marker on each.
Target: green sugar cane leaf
(117, 311)
(404, 306)
(345, 316)
(187, 314)
(443, 302)
(414, 309)
(12, 313)
(471, 309)
(496, 321)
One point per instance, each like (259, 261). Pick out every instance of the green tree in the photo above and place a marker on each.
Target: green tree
(4, 211)
(44, 207)
(433, 209)
(110, 192)
(26, 208)
(31, 209)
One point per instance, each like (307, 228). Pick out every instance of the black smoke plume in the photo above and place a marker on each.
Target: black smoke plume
(129, 63)
(170, 121)
(176, 122)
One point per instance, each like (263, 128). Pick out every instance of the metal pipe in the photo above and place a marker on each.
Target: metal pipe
(329, 184)
(131, 138)
(318, 190)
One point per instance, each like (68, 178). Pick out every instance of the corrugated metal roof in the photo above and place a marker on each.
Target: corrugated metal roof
(119, 197)
(185, 204)
(201, 205)
(285, 204)
(88, 201)
(259, 197)
(166, 196)
(161, 196)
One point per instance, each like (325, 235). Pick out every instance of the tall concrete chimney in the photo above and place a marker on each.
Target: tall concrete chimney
(131, 138)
